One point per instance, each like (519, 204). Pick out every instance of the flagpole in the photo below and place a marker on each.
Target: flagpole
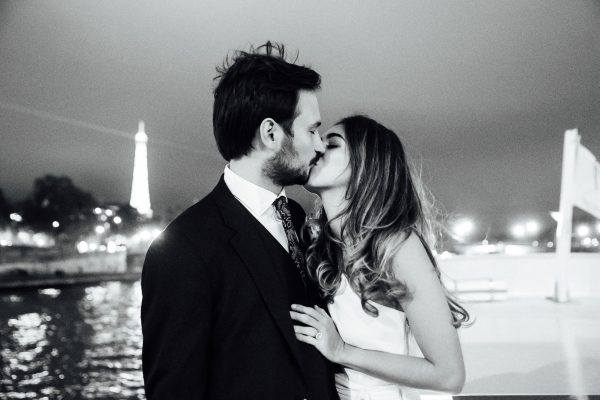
(564, 229)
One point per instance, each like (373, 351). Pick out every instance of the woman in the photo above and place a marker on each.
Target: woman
(372, 262)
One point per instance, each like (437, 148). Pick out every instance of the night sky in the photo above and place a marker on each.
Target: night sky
(480, 92)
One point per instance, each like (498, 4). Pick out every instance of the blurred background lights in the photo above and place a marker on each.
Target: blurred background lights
(518, 231)
(532, 227)
(111, 247)
(145, 234)
(109, 213)
(100, 229)
(16, 217)
(117, 220)
(55, 224)
(97, 211)
(463, 228)
(83, 247)
(583, 230)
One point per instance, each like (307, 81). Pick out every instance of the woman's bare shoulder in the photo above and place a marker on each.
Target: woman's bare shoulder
(411, 258)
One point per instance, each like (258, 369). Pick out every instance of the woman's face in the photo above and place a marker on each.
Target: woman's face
(333, 169)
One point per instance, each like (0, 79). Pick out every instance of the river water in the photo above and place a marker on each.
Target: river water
(77, 342)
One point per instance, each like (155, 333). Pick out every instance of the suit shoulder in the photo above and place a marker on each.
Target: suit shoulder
(199, 214)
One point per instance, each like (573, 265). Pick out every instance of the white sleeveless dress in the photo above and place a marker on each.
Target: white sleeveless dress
(383, 333)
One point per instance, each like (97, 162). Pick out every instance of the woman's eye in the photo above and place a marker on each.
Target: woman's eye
(332, 146)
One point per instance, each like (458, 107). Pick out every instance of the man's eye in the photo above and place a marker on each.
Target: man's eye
(332, 146)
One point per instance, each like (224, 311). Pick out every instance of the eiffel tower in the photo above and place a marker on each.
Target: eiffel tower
(140, 189)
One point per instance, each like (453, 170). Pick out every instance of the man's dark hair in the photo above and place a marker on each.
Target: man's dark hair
(254, 85)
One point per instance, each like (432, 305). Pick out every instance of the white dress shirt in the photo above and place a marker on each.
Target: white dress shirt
(259, 202)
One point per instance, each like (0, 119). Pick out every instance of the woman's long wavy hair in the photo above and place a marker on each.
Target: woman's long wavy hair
(386, 204)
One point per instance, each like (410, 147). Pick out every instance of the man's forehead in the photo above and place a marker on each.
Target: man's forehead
(308, 107)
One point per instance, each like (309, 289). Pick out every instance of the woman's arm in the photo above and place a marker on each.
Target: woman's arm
(442, 367)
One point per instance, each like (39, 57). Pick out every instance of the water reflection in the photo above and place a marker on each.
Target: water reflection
(70, 343)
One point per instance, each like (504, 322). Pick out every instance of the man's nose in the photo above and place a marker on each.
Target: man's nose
(319, 146)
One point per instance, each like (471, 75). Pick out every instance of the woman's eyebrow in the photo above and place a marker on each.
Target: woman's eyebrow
(333, 134)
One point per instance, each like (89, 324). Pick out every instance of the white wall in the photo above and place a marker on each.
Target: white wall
(531, 275)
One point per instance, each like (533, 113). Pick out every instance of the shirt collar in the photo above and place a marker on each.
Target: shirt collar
(256, 198)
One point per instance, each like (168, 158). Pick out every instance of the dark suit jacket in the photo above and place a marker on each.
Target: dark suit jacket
(217, 290)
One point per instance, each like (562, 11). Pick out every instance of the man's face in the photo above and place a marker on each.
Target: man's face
(292, 163)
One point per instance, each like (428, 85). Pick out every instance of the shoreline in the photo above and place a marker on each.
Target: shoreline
(31, 282)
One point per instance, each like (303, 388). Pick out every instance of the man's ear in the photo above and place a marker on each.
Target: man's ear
(269, 133)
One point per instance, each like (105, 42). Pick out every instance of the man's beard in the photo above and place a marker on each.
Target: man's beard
(280, 169)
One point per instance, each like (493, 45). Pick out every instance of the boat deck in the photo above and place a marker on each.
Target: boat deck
(533, 346)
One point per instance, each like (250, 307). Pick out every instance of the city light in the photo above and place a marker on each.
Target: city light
(111, 247)
(55, 224)
(518, 231)
(550, 244)
(97, 211)
(117, 220)
(109, 213)
(532, 227)
(100, 229)
(145, 234)
(463, 228)
(103, 217)
(16, 217)
(83, 247)
(583, 230)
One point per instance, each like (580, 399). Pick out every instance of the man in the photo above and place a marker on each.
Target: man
(218, 283)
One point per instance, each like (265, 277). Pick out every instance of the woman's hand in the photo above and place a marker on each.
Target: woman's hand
(320, 332)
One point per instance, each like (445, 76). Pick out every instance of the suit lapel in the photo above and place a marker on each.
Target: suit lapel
(255, 255)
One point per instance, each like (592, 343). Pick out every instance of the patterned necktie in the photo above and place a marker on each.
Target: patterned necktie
(285, 215)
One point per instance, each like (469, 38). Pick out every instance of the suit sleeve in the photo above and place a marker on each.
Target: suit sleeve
(176, 320)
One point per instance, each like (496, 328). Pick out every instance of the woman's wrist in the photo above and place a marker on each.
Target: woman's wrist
(341, 356)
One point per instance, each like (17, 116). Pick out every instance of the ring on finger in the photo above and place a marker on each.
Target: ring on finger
(319, 335)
